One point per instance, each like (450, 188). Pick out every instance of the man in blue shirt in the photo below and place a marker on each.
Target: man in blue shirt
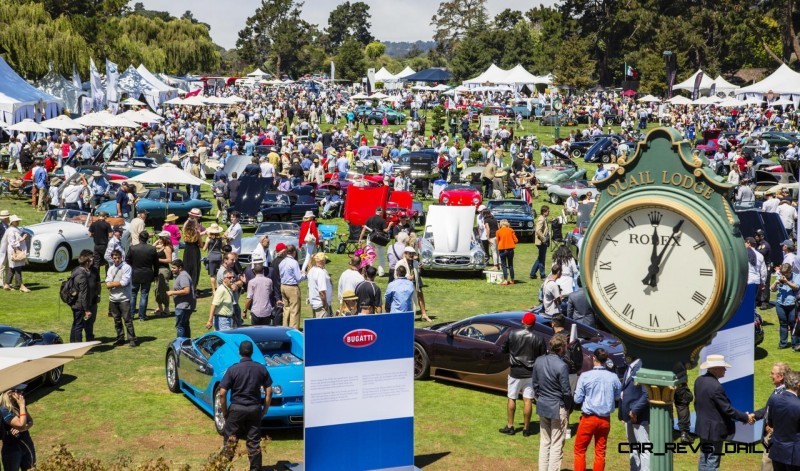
(99, 187)
(123, 203)
(140, 146)
(596, 391)
(399, 293)
(601, 173)
(291, 276)
(39, 185)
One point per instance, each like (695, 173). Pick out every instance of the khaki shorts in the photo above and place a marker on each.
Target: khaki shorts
(517, 385)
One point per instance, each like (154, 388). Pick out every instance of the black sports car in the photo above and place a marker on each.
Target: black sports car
(469, 351)
(11, 337)
(256, 204)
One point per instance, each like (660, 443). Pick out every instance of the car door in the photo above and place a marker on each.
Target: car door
(179, 203)
(195, 367)
(468, 347)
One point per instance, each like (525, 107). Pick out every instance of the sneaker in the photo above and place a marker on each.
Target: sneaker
(507, 430)
(526, 432)
(568, 435)
(380, 271)
(781, 347)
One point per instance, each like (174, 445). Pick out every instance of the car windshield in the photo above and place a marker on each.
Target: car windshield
(274, 199)
(11, 339)
(511, 207)
(71, 215)
(459, 186)
(158, 194)
(269, 227)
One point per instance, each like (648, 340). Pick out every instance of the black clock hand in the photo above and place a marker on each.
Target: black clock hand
(653, 268)
(675, 230)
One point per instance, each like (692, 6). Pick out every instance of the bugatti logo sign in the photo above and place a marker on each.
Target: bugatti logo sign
(360, 338)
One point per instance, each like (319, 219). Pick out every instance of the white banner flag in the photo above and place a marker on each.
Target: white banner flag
(98, 97)
(112, 74)
(333, 72)
(76, 78)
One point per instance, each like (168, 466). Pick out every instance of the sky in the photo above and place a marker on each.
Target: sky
(227, 18)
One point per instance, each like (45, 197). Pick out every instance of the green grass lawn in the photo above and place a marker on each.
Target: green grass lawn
(113, 404)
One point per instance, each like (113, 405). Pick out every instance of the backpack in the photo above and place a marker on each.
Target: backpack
(69, 291)
(574, 356)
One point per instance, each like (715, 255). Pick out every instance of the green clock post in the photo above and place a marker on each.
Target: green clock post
(664, 265)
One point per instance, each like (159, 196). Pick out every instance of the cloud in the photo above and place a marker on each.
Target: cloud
(392, 20)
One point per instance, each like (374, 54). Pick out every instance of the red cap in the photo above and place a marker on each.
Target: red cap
(280, 247)
(529, 318)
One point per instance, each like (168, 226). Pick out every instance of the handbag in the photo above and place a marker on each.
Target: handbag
(310, 239)
(276, 316)
(380, 238)
(19, 256)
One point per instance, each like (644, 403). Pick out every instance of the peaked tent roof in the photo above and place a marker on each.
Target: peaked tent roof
(783, 81)
(688, 84)
(257, 73)
(723, 85)
(55, 84)
(430, 75)
(405, 73)
(383, 75)
(132, 83)
(493, 74)
(155, 81)
(18, 97)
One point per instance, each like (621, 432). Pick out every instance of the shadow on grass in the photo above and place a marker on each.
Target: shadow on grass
(422, 461)
(37, 389)
(761, 353)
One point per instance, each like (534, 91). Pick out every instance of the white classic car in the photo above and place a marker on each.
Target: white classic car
(286, 232)
(60, 237)
(449, 241)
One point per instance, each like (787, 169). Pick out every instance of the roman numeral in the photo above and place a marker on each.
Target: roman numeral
(611, 290)
(630, 222)
(698, 298)
(682, 319)
(628, 311)
(699, 245)
(613, 241)
(706, 272)
(654, 321)
(605, 265)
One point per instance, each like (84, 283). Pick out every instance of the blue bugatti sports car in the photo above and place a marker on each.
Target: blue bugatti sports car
(196, 367)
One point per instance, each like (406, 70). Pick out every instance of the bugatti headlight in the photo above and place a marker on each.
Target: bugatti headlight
(277, 390)
(530, 223)
(445, 200)
(259, 217)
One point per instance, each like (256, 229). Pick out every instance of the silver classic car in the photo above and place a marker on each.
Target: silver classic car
(449, 241)
(60, 237)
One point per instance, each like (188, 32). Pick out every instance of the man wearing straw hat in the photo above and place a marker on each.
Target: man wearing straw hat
(715, 416)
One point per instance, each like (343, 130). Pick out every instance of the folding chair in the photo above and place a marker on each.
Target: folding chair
(556, 229)
(327, 232)
(349, 243)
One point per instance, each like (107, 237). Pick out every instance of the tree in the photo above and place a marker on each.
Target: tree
(349, 20)
(574, 69)
(472, 56)
(350, 60)
(507, 19)
(453, 19)
(275, 33)
(374, 50)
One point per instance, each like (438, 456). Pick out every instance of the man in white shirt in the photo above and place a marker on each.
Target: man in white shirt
(118, 282)
(234, 233)
(571, 205)
(137, 226)
(788, 215)
(71, 197)
(771, 204)
(351, 277)
(320, 289)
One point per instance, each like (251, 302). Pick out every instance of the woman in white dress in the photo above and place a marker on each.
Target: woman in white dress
(17, 241)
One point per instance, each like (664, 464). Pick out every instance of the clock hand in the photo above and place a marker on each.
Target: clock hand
(675, 230)
(653, 268)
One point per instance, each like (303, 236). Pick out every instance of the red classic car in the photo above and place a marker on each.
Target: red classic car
(460, 194)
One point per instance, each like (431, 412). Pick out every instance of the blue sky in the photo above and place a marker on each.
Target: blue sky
(392, 20)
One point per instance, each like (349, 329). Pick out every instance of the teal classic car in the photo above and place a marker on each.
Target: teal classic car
(162, 201)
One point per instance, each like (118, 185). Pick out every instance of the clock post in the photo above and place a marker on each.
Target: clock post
(664, 265)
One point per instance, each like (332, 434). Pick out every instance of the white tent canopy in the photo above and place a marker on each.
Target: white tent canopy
(61, 122)
(165, 92)
(516, 76)
(383, 75)
(784, 82)
(493, 74)
(730, 102)
(648, 99)
(688, 84)
(167, 174)
(723, 85)
(257, 73)
(28, 125)
(18, 365)
(20, 100)
(680, 100)
(405, 73)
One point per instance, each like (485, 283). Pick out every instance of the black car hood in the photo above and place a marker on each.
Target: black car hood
(251, 192)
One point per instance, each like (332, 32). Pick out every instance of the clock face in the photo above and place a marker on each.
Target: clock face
(653, 269)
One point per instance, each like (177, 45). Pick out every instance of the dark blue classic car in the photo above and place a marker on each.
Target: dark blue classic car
(196, 367)
(256, 204)
(518, 213)
(11, 337)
